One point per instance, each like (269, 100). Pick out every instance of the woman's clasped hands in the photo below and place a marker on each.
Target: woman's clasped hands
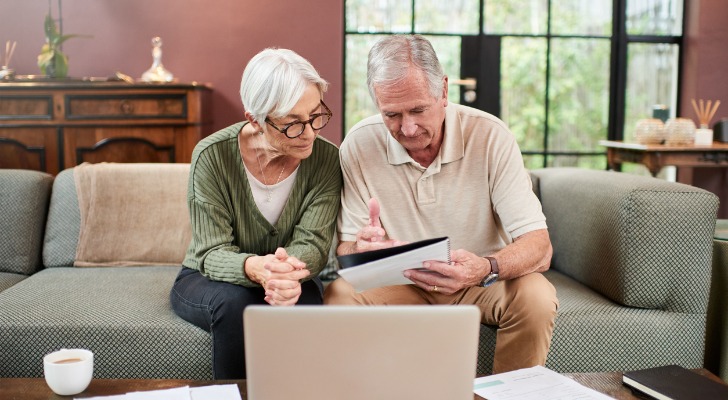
(280, 276)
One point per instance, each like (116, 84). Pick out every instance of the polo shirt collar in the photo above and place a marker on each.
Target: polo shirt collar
(452, 149)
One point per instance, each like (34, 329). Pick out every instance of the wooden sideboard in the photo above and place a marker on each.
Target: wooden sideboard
(53, 125)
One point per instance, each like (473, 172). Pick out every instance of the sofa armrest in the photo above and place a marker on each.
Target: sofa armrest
(640, 241)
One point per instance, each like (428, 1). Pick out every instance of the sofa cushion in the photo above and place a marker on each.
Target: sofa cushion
(64, 222)
(593, 333)
(8, 279)
(122, 314)
(24, 197)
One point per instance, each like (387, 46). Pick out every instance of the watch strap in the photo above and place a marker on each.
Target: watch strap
(493, 275)
(493, 264)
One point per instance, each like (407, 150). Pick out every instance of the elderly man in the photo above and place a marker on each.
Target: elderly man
(425, 168)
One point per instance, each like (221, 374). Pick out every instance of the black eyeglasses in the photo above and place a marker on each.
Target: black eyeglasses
(296, 128)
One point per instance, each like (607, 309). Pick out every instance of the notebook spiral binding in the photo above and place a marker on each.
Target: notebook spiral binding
(449, 257)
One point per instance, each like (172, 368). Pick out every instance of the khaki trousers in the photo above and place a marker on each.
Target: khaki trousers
(524, 309)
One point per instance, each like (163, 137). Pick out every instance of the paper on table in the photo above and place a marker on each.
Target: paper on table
(535, 383)
(216, 392)
(212, 392)
(181, 393)
(385, 267)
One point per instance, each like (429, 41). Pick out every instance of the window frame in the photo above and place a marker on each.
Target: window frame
(619, 44)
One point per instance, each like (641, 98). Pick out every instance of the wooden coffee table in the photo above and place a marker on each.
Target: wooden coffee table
(609, 383)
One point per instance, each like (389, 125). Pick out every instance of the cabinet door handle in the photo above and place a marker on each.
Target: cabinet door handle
(126, 107)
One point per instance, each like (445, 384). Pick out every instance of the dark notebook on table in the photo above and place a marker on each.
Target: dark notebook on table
(673, 382)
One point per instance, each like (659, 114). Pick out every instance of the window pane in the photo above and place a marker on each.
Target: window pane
(579, 17)
(448, 52)
(654, 17)
(651, 79)
(518, 17)
(578, 94)
(523, 84)
(452, 16)
(589, 162)
(359, 104)
(533, 161)
(378, 16)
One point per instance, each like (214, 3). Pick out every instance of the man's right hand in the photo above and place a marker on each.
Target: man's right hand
(371, 236)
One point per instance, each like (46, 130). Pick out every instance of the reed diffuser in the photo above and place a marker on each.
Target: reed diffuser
(705, 112)
(6, 71)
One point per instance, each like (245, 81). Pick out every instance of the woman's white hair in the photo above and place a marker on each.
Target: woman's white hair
(273, 82)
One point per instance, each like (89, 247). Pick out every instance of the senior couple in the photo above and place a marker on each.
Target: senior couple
(265, 196)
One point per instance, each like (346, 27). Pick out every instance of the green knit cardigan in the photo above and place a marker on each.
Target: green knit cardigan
(227, 226)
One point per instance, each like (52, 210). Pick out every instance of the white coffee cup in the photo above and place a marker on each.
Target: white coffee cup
(68, 371)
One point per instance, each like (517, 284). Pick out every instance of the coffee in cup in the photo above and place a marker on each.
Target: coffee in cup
(68, 371)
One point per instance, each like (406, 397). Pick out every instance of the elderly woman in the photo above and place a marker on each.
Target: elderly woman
(263, 198)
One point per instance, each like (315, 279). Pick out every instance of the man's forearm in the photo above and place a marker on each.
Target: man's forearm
(528, 253)
(346, 248)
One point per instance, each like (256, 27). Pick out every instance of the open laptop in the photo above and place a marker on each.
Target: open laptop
(368, 352)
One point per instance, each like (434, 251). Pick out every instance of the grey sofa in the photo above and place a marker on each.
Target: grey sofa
(122, 314)
(631, 266)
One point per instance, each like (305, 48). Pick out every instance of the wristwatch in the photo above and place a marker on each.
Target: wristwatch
(493, 276)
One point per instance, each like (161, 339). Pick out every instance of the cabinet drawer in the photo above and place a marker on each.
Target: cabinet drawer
(26, 107)
(119, 107)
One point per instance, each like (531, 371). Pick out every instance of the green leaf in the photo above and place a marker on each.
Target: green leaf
(63, 38)
(61, 65)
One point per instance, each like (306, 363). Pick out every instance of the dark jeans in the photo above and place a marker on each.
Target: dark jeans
(217, 307)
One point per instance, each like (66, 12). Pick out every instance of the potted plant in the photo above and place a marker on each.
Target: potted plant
(51, 60)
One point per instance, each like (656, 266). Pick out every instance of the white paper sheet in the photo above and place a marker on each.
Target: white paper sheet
(212, 392)
(181, 393)
(535, 383)
(216, 392)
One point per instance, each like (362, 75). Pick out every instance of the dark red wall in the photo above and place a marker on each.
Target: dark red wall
(204, 41)
(705, 76)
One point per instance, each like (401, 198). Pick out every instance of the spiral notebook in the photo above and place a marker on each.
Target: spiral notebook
(384, 267)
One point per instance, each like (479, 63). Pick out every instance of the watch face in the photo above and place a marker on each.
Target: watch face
(490, 279)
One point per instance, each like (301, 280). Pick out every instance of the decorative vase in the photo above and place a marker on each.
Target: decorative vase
(649, 131)
(680, 132)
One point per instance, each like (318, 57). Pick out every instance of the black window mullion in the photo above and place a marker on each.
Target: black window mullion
(618, 71)
(412, 22)
(545, 150)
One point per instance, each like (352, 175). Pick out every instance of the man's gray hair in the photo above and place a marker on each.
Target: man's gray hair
(273, 82)
(392, 56)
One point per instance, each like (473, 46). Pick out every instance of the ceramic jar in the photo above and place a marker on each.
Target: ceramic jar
(649, 131)
(680, 131)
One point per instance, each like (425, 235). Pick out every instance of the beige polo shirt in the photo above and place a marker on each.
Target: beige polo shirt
(476, 191)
